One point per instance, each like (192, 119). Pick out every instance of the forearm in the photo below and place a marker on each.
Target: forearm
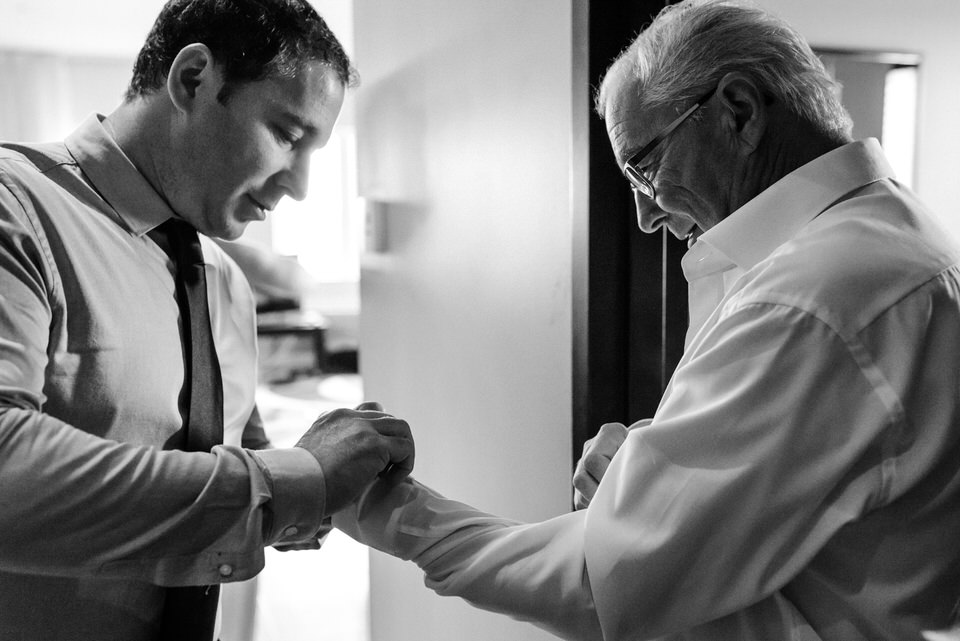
(72, 504)
(531, 572)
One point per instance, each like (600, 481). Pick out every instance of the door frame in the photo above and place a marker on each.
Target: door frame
(629, 297)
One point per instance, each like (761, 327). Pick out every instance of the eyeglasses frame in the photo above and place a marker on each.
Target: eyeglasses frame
(638, 181)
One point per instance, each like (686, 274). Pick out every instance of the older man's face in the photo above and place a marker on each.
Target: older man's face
(686, 171)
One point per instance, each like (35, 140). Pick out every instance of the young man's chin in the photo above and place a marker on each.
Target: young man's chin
(231, 231)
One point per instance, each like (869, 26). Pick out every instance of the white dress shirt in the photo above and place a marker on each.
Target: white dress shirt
(799, 480)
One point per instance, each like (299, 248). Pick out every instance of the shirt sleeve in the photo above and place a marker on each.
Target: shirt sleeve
(74, 504)
(765, 445)
(531, 572)
(769, 439)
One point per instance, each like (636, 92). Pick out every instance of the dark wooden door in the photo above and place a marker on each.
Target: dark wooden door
(629, 296)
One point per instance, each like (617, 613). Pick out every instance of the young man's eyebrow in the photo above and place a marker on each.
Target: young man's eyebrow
(297, 121)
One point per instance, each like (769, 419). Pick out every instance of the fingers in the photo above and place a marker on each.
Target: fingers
(388, 425)
(598, 452)
(402, 453)
(366, 406)
(608, 440)
(580, 501)
(356, 446)
(584, 485)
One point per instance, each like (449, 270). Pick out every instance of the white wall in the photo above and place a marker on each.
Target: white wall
(928, 27)
(464, 121)
(111, 28)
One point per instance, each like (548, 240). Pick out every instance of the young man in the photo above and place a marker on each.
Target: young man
(799, 480)
(103, 373)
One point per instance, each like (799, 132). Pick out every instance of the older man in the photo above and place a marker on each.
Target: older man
(800, 477)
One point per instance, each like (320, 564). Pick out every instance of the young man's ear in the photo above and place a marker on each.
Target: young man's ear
(745, 111)
(193, 75)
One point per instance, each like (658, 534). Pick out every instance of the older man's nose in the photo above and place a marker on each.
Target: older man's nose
(649, 216)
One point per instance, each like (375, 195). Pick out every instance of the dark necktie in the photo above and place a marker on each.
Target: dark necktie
(190, 612)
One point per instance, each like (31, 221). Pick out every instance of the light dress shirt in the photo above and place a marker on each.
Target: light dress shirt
(94, 515)
(800, 479)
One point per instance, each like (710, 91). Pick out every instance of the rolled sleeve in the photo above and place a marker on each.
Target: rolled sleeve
(298, 494)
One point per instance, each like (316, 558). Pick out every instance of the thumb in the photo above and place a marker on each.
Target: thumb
(370, 405)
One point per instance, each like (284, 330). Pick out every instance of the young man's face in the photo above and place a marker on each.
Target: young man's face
(238, 159)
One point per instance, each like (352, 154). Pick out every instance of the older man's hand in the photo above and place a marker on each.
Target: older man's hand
(593, 464)
(354, 447)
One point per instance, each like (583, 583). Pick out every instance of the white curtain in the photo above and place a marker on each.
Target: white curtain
(44, 96)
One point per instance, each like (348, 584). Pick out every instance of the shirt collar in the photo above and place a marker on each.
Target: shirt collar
(114, 176)
(771, 218)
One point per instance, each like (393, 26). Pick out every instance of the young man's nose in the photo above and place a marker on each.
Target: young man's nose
(295, 179)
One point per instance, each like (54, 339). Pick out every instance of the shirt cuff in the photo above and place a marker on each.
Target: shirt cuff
(298, 494)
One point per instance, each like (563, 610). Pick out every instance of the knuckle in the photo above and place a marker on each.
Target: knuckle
(592, 461)
(337, 415)
(579, 483)
(402, 427)
(369, 439)
(597, 466)
(609, 429)
(588, 444)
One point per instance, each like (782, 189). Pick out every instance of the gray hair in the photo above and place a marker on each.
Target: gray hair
(690, 46)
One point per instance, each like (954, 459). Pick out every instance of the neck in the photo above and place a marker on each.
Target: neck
(792, 145)
(137, 128)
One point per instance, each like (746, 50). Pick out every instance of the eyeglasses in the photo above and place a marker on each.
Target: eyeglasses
(637, 179)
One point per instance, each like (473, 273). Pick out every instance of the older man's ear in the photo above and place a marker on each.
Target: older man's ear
(745, 112)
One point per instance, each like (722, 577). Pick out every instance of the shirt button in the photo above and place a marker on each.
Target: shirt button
(225, 570)
(290, 531)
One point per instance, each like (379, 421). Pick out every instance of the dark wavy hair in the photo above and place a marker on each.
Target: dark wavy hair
(251, 39)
